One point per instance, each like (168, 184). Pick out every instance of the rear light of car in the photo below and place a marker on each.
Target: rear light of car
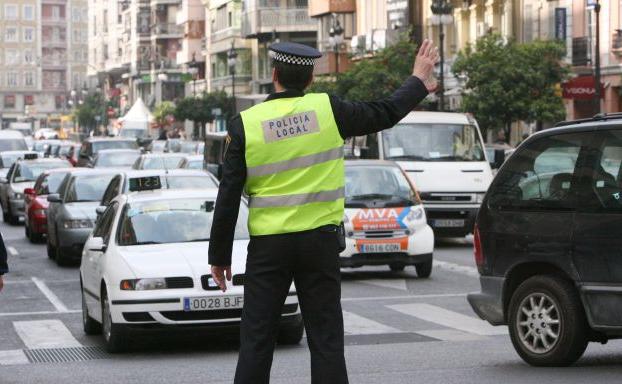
(477, 249)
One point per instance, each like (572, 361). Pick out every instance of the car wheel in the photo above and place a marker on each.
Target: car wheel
(27, 232)
(424, 270)
(291, 334)
(90, 325)
(12, 219)
(397, 267)
(114, 334)
(50, 249)
(548, 326)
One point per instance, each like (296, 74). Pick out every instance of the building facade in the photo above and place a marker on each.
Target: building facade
(43, 58)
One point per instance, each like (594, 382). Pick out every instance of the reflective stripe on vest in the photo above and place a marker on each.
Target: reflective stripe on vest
(295, 166)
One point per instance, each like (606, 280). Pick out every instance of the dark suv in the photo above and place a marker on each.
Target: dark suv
(92, 145)
(548, 242)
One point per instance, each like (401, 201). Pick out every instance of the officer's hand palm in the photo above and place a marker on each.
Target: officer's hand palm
(424, 65)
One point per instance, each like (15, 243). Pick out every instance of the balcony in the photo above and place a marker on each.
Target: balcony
(167, 31)
(223, 34)
(225, 81)
(616, 42)
(164, 2)
(266, 20)
(50, 20)
(55, 43)
(323, 7)
(54, 63)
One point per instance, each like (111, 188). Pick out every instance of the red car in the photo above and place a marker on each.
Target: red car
(36, 203)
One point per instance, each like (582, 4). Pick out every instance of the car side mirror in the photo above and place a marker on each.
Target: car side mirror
(54, 198)
(499, 158)
(95, 244)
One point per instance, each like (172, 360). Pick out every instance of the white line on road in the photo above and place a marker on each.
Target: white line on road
(449, 319)
(45, 334)
(13, 357)
(56, 302)
(354, 324)
(450, 335)
(464, 269)
(12, 251)
(399, 284)
(9, 314)
(381, 298)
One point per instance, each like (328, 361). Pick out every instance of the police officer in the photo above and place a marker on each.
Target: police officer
(287, 153)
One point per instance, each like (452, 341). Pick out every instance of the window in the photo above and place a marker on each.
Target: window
(55, 12)
(10, 34)
(29, 12)
(29, 34)
(9, 101)
(104, 224)
(11, 57)
(29, 79)
(75, 14)
(10, 12)
(11, 79)
(28, 57)
(76, 35)
(605, 191)
(29, 100)
(541, 176)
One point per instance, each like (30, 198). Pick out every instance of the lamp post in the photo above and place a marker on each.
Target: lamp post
(193, 70)
(597, 89)
(335, 38)
(441, 15)
(232, 59)
(162, 77)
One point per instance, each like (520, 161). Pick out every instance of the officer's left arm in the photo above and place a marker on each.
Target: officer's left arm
(229, 197)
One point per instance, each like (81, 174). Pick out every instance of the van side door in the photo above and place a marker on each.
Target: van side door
(597, 233)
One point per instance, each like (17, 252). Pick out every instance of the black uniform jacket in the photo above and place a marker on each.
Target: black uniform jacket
(4, 267)
(352, 118)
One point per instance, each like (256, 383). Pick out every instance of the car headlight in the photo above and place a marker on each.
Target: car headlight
(479, 197)
(77, 224)
(415, 214)
(18, 196)
(143, 284)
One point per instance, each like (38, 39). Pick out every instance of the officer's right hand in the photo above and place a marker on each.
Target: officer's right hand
(218, 274)
(424, 64)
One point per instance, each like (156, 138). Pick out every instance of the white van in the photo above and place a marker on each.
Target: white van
(11, 140)
(443, 154)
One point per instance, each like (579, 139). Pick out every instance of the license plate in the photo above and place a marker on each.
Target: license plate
(448, 223)
(380, 248)
(212, 303)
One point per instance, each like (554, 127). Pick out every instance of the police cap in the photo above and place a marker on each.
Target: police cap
(294, 53)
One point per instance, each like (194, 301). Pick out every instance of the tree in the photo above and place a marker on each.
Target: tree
(93, 106)
(162, 113)
(507, 81)
(374, 77)
(199, 109)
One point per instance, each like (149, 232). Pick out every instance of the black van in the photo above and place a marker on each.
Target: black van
(548, 242)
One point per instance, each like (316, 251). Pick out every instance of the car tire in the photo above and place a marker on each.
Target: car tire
(397, 267)
(36, 238)
(548, 310)
(291, 334)
(27, 232)
(115, 335)
(90, 325)
(12, 219)
(424, 270)
(51, 250)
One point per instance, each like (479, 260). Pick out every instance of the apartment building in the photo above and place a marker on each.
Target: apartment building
(191, 18)
(42, 58)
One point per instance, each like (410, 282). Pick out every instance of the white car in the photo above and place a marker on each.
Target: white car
(146, 264)
(385, 223)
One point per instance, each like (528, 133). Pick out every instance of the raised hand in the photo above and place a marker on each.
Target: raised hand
(424, 64)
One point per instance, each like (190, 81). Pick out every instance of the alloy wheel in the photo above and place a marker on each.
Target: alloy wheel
(538, 323)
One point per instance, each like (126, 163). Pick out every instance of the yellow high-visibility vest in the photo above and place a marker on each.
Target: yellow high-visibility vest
(295, 167)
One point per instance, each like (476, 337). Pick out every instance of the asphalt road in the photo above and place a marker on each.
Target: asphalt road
(399, 329)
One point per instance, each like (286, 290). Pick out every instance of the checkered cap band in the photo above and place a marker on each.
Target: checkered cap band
(289, 59)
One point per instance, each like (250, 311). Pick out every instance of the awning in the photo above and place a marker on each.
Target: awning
(581, 88)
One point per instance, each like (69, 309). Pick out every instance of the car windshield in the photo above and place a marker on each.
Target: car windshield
(116, 159)
(188, 147)
(133, 133)
(173, 145)
(30, 172)
(172, 221)
(64, 150)
(8, 160)
(40, 146)
(114, 144)
(51, 183)
(168, 162)
(13, 145)
(157, 145)
(377, 182)
(433, 142)
(186, 182)
(195, 164)
(88, 188)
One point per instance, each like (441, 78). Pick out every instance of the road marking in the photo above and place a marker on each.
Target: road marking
(354, 324)
(45, 334)
(9, 314)
(56, 302)
(380, 298)
(449, 319)
(12, 251)
(464, 269)
(449, 335)
(399, 284)
(13, 357)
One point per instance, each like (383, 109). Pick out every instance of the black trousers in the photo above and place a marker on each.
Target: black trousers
(311, 259)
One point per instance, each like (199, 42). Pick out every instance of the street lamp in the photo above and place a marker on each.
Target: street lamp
(232, 59)
(193, 70)
(441, 15)
(335, 38)
(597, 89)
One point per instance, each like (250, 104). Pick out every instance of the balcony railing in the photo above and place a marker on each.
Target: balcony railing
(266, 20)
(53, 19)
(167, 29)
(59, 62)
(224, 34)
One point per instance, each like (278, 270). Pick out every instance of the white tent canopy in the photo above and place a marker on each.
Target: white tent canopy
(138, 117)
